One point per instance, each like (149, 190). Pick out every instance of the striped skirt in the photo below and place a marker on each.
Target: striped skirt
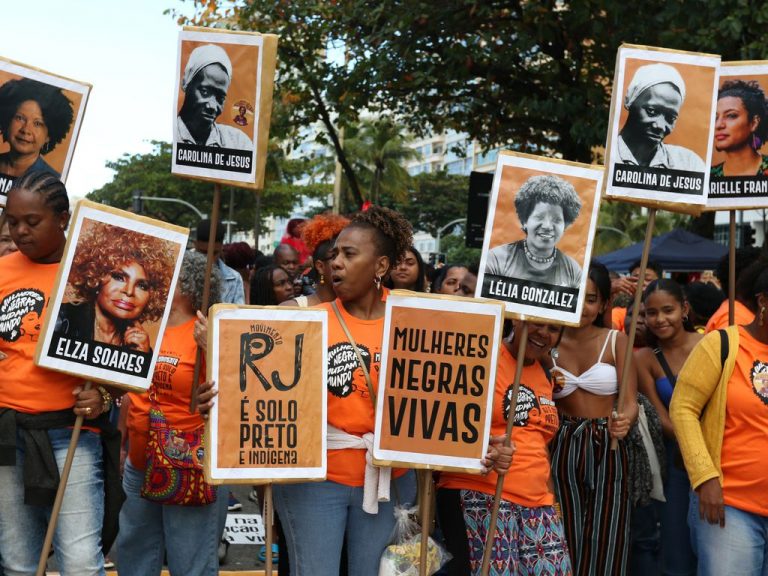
(592, 486)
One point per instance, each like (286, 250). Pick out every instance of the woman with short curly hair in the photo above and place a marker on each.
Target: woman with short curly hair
(115, 285)
(546, 206)
(34, 118)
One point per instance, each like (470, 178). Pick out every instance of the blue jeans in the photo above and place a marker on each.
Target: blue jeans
(316, 517)
(645, 541)
(741, 547)
(677, 557)
(77, 538)
(189, 534)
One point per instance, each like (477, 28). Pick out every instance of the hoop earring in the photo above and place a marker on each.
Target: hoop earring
(685, 318)
(377, 281)
(761, 319)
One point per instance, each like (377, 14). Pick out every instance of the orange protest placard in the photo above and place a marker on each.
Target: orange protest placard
(269, 420)
(436, 386)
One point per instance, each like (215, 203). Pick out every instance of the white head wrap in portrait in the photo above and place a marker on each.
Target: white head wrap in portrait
(203, 56)
(651, 75)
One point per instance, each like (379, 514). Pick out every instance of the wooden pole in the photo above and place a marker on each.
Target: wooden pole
(64, 477)
(268, 520)
(732, 268)
(489, 537)
(206, 288)
(625, 372)
(425, 512)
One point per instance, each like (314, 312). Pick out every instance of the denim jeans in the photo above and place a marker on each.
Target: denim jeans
(738, 548)
(645, 541)
(317, 516)
(77, 538)
(188, 534)
(677, 557)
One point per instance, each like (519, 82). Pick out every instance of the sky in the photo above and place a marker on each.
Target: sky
(125, 49)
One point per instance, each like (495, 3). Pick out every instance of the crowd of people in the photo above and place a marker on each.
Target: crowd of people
(667, 483)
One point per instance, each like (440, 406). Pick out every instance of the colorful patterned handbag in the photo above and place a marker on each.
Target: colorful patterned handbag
(174, 473)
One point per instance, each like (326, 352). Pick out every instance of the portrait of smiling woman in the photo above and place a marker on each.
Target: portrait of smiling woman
(545, 206)
(114, 287)
(741, 129)
(34, 118)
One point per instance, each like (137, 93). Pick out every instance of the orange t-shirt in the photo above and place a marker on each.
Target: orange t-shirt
(536, 422)
(25, 291)
(742, 315)
(745, 442)
(350, 406)
(171, 388)
(618, 317)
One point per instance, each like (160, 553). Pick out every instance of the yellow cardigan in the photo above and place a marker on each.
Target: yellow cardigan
(697, 408)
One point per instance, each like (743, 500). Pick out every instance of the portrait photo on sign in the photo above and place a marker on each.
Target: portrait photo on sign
(112, 296)
(223, 99)
(269, 419)
(662, 118)
(739, 174)
(436, 383)
(40, 118)
(538, 236)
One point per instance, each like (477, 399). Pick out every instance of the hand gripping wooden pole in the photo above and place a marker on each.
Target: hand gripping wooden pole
(206, 288)
(491, 534)
(625, 371)
(64, 477)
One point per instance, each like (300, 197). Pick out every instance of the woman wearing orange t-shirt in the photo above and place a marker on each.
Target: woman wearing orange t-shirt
(38, 407)
(188, 535)
(530, 538)
(720, 413)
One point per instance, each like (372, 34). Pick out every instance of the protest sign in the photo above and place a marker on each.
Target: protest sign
(223, 105)
(739, 175)
(40, 118)
(269, 419)
(435, 393)
(660, 129)
(538, 239)
(112, 296)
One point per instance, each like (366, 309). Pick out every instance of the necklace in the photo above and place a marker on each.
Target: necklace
(530, 256)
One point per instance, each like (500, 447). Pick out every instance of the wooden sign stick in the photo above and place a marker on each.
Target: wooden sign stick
(633, 325)
(507, 442)
(64, 477)
(732, 268)
(268, 520)
(206, 288)
(425, 511)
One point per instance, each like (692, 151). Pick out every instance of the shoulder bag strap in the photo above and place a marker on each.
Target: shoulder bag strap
(665, 366)
(357, 352)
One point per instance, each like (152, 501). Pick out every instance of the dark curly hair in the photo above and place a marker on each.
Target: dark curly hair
(550, 190)
(421, 281)
(55, 106)
(47, 185)
(753, 99)
(99, 253)
(393, 232)
(238, 255)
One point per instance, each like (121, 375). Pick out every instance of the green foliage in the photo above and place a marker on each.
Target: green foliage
(456, 251)
(434, 200)
(621, 224)
(151, 174)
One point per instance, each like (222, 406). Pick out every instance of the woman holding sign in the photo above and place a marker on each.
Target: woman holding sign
(38, 407)
(720, 413)
(157, 519)
(591, 479)
(530, 538)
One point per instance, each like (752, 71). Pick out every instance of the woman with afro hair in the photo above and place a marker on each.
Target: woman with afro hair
(115, 286)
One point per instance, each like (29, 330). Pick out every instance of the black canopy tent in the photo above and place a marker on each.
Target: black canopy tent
(676, 251)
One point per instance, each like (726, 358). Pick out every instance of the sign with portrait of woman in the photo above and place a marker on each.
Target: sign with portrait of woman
(660, 130)
(436, 383)
(269, 419)
(112, 296)
(538, 236)
(40, 118)
(738, 178)
(223, 105)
